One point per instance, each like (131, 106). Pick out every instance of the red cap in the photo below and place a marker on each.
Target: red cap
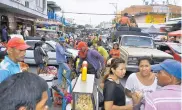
(17, 43)
(81, 44)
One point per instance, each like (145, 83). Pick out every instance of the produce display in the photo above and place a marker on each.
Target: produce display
(84, 102)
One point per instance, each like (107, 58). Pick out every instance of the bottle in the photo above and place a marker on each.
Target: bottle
(84, 73)
(84, 64)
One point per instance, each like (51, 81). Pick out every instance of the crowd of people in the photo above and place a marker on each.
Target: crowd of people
(153, 87)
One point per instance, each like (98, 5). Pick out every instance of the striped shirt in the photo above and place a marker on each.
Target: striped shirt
(168, 98)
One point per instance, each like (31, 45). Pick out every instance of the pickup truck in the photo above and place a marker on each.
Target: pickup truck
(134, 45)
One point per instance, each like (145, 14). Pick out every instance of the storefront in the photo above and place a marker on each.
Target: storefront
(49, 28)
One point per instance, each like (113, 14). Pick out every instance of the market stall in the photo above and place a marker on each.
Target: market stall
(85, 95)
(48, 28)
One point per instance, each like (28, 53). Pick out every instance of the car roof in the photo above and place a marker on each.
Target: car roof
(36, 38)
(119, 33)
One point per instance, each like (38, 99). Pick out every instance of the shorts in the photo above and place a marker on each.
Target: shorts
(41, 66)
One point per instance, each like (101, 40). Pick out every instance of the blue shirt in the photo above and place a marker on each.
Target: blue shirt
(8, 68)
(61, 53)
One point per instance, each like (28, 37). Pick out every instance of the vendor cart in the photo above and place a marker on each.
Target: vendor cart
(85, 94)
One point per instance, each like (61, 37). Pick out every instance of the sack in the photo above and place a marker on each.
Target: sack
(52, 70)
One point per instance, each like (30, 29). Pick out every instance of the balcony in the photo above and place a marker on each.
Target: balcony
(51, 15)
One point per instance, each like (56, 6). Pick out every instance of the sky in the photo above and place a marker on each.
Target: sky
(96, 6)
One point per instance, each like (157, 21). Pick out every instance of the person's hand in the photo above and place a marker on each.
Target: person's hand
(136, 97)
(129, 107)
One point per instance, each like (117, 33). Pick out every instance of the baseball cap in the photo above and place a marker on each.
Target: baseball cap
(81, 44)
(17, 43)
(62, 39)
(171, 66)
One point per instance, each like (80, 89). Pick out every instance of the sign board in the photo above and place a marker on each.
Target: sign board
(155, 18)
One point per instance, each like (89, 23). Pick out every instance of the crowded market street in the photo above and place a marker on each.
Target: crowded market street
(90, 55)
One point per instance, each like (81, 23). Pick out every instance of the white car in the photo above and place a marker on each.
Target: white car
(49, 47)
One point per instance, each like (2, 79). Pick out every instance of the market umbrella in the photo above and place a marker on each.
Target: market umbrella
(175, 33)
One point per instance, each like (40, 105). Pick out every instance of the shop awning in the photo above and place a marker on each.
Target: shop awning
(175, 33)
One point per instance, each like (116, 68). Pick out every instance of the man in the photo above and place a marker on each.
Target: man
(23, 91)
(102, 51)
(16, 48)
(169, 96)
(94, 59)
(125, 21)
(61, 55)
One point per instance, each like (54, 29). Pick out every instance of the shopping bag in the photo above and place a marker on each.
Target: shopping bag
(52, 70)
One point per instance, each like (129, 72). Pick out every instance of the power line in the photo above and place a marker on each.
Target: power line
(90, 13)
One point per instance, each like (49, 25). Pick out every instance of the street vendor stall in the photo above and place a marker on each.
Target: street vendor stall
(48, 27)
(85, 95)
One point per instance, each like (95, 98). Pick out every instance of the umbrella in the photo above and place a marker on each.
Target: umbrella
(175, 33)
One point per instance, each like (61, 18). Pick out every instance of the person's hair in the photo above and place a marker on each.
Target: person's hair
(114, 64)
(22, 90)
(125, 14)
(145, 58)
(43, 39)
(38, 44)
(99, 43)
(116, 44)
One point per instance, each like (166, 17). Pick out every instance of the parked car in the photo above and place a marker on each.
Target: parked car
(173, 49)
(134, 46)
(49, 46)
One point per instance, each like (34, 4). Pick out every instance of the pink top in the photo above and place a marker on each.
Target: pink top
(168, 98)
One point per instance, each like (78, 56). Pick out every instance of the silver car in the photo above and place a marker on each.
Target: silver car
(49, 46)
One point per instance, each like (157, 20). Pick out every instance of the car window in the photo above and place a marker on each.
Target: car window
(137, 41)
(48, 47)
(31, 44)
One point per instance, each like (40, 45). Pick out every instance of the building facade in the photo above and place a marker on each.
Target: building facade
(21, 13)
(152, 13)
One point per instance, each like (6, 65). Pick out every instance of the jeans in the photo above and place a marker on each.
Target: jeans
(63, 66)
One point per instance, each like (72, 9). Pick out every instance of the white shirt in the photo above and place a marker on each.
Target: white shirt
(133, 84)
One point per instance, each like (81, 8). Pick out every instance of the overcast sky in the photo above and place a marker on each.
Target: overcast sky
(96, 6)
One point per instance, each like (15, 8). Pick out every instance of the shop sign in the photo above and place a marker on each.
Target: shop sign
(155, 18)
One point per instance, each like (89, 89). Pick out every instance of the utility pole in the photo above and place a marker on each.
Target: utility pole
(115, 6)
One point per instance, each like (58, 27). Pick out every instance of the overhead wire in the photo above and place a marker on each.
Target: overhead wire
(90, 13)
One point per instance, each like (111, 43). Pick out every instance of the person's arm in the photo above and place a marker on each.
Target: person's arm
(99, 57)
(60, 49)
(108, 105)
(128, 22)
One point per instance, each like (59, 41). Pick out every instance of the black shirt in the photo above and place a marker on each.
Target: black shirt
(114, 92)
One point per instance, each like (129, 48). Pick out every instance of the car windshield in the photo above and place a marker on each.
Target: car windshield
(176, 47)
(137, 42)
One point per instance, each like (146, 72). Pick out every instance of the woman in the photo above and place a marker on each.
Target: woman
(142, 82)
(115, 52)
(39, 57)
(114, 96)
